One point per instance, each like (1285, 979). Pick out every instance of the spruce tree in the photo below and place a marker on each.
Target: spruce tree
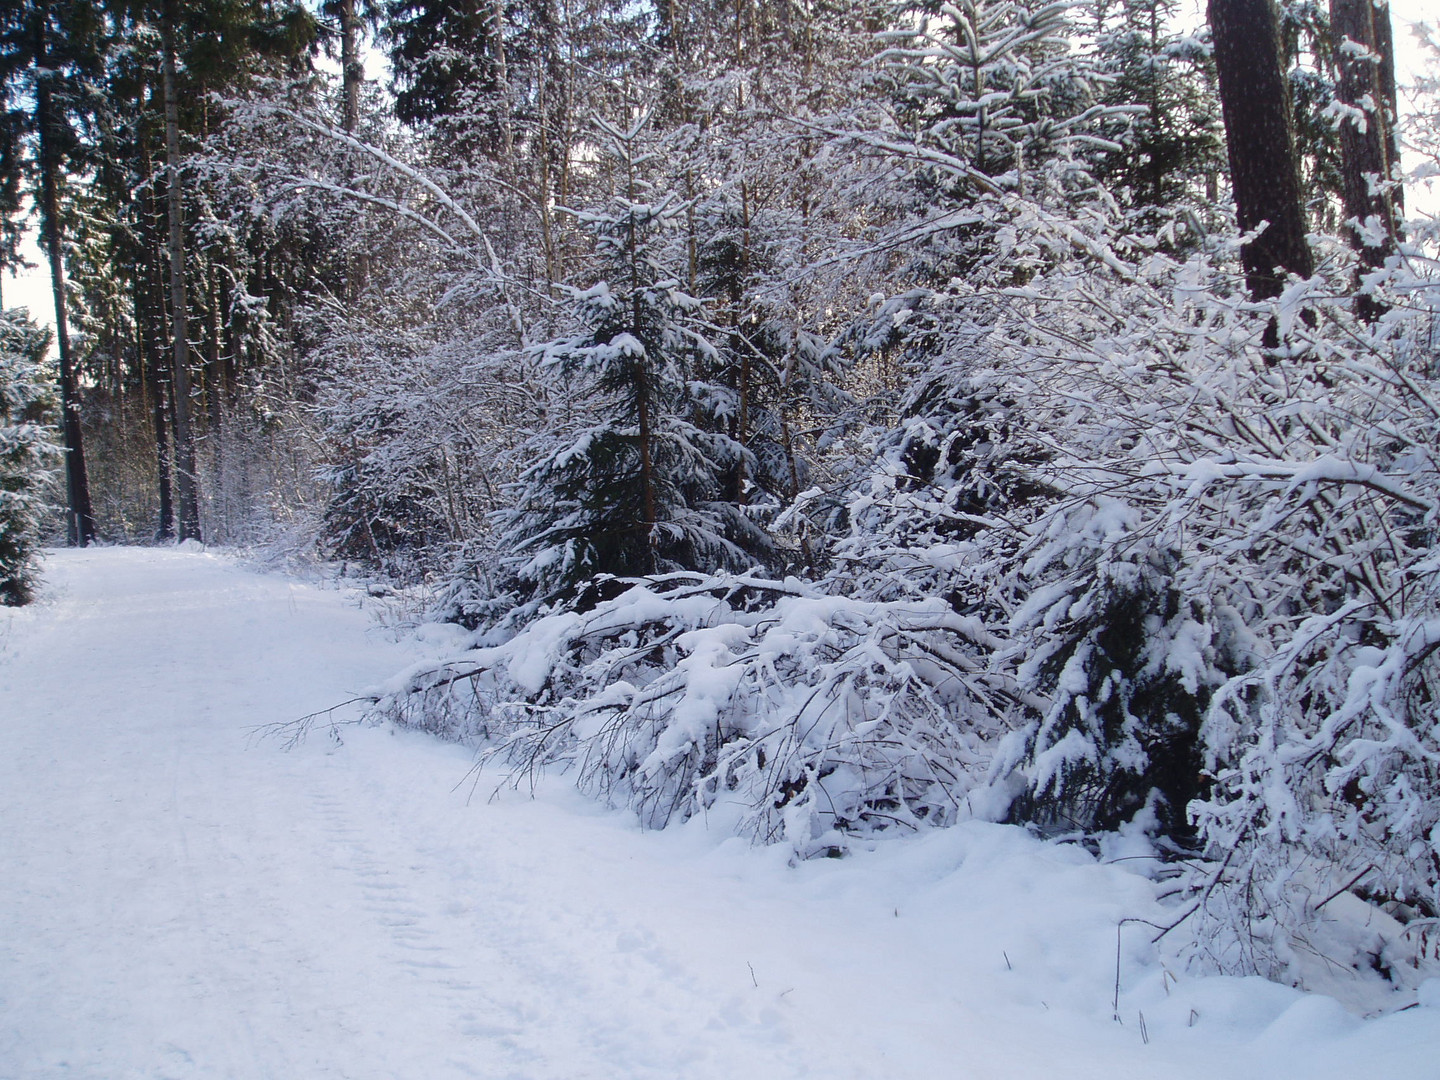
(1175, 152)
(638, 488)
(51, 55)
(449, 62)
(27, 452)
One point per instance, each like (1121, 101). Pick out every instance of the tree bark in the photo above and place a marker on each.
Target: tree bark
(150, 325)
(150, 312)
(79, 517)
(230, 351)
(1264, 170)
(502, 76)
(187, 487)
(1372, 199)
(351, 69)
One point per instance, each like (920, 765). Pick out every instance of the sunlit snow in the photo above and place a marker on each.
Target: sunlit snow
(178, 899)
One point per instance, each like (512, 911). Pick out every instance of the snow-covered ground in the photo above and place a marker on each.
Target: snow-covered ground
(179, 900)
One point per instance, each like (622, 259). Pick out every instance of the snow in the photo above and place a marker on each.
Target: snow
(181, 900)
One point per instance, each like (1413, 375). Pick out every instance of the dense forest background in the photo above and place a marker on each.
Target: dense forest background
(830, 418)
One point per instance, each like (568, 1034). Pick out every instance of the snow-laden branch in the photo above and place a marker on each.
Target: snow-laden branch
(491, 263)
(951, 164)
(1327, 469)
(687, 689)
(305, 184)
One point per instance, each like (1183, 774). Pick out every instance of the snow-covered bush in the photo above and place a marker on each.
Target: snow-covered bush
(1215, 562)
(1136, 550)
(27, 452)
(1325, 753)
(782, 710)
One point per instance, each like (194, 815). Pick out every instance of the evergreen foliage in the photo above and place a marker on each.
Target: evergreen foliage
(28, 453)
(638, 490)
(1176, 150)
(446, 56)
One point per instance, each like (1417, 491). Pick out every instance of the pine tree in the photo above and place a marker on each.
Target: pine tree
(449, 61)
(1176, 150)
(12, 127)
(351, 18)
(995, 85)
(639, 487)
(51, 53)
(27, 452)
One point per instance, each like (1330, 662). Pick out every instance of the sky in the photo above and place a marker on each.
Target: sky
(31, 288)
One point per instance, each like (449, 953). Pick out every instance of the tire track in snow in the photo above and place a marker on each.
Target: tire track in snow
(432, 949)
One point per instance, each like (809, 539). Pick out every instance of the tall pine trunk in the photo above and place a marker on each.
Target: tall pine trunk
(1372, 198)
(186, 483)
(352, 72)
(1264, 170)
(502, 77)
(151, 327)
(158, 378)
(79, 517)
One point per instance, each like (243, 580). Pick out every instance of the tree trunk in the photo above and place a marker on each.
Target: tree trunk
(230, 353)
(357, 266)
(150, 324)
(215, 407)
(185, 474)
(502, 76)
(79, 517)
(1372, 198)
(1264, 171)
(645, 431)
(350, 65)
(547, 235)
(213, 377)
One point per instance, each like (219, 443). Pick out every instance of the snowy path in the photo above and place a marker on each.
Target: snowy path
(177, 901)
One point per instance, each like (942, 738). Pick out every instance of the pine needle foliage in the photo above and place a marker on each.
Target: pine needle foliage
(637, 488)
(28, 453)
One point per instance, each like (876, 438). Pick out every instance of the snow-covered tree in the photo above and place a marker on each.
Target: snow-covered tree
(1174, 158)
(28, 453)
(638, 484)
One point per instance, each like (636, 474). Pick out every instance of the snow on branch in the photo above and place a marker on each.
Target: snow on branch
(791, 712)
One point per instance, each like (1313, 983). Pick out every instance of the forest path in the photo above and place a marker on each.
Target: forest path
(181, 900)
(178, 900)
